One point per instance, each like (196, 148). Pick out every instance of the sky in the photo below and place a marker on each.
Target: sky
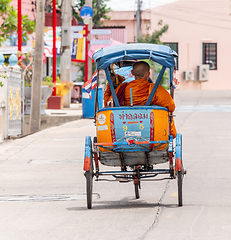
(131, 5)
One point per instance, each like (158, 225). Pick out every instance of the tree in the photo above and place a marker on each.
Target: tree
(9, 25)
(100, 11)
(155, 36)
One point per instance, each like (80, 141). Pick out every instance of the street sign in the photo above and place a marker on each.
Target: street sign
(100, 42)
(100, 32)
(86, 12)
(76, 28)
(76, 35)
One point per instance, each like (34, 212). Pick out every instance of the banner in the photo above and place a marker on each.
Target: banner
(77, 44)
(78, 48)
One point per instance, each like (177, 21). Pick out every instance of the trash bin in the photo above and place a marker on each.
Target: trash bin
(88, 104)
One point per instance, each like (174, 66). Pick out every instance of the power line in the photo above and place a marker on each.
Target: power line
(193, 22)
(198, 14)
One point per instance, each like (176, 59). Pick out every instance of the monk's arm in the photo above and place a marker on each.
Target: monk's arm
(107, 95)
(111, 97)
(163, 98)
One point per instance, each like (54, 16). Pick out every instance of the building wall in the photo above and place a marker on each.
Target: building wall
(191, 22)
(127, 19)
(27, 8)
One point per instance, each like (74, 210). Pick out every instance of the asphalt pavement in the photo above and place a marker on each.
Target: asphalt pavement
(42, 186)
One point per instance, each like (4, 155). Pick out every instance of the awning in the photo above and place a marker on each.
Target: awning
(95, 48)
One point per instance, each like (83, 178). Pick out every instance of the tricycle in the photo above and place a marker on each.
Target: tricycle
(135, 138)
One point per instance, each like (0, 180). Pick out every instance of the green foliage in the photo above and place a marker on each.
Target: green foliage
(155, 36)
(10, 22)
(100, 11)
(81, 67)
(165, 79)
(155, 39)
(25, 62)
(2, 76)
(48, 81)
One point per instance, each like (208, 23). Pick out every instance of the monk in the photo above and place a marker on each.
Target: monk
(141, 89)
(116, 80)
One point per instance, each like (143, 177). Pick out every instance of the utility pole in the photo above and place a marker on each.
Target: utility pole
(35, 117)
(65, 51)
(54, 47)
(89, 3)
(138, 18)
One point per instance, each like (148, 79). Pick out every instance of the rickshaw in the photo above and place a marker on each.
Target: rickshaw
(134, 139)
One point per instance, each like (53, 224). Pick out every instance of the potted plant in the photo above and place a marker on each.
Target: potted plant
(25, 62)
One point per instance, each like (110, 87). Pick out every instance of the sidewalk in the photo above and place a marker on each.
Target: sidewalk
(56, 117)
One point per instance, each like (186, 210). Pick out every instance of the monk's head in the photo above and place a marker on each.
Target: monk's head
(141, 70)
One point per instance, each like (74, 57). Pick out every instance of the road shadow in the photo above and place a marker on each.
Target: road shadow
(125, 203)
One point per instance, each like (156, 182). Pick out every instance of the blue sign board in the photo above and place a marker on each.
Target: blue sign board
(86, 12)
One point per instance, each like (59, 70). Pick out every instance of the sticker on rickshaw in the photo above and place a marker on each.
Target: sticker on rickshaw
(101, 118)
(132, 116)
(133, 134)
(103, 127)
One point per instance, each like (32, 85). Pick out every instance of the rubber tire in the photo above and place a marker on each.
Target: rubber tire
(137, 194)
(180, 177)
(180, 183)
(89, 180)
(89, 174)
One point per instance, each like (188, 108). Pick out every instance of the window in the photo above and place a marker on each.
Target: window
(173, 46)
(209, 55)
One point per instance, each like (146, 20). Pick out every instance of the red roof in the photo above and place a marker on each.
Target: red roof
(49, 20)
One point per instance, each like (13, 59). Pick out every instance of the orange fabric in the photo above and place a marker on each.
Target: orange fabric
(107, 93)
(140, 89)
(173, 131)
(162, 98)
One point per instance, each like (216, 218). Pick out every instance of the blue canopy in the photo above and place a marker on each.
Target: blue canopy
(161, 54)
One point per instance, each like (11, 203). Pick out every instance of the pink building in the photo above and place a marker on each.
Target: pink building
(200, 31)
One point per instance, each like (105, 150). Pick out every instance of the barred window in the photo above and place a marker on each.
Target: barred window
(209, 55)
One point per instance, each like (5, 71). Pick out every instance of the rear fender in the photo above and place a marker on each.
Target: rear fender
(88, 154)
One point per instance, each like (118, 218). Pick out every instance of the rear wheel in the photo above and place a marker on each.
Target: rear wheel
(89, 180)
(89, 173)
(179, 168)
(180, 183)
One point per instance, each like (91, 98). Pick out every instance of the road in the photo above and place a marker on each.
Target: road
(42, 187)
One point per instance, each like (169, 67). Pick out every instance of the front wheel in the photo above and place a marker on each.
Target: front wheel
(137, 183)
(137, 194)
